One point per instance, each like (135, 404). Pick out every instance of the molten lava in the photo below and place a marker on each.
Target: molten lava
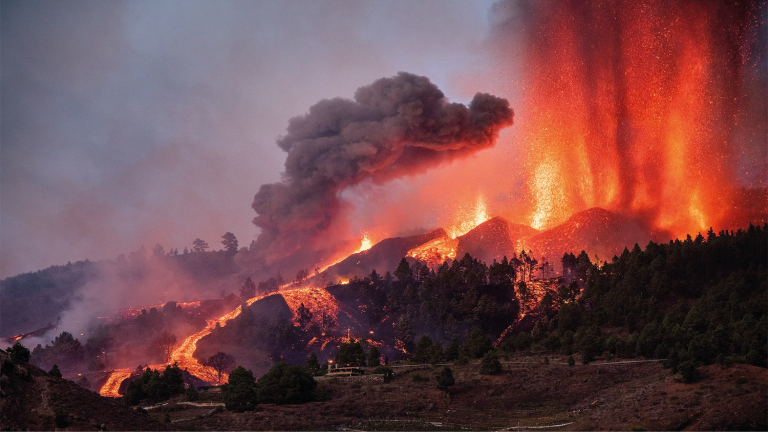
(365, 243)
(112, 386)
(438, 250)
(435, 252)
(318, 300)
(633, 106)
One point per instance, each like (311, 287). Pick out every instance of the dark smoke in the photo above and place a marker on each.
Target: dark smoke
(394, 127)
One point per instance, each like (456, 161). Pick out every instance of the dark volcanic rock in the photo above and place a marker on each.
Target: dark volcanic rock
(383, 256)
(596, 231)
(493, 239)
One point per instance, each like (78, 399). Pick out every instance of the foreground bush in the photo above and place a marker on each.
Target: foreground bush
(240, 392)
(285, 384)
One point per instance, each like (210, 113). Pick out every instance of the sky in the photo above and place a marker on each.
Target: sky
(130, 123)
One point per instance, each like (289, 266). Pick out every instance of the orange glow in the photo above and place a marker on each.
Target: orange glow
(467, 217)
(365, 243)
(317, 300)
(628, 107)
(112, 386)
(434, 253)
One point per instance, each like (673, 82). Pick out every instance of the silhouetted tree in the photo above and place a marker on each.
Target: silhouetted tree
(248, 290)
(445, 379)
(301, 275)
(19, 352)
(220, 362)
(199, 245)
(374, 357)
(55, 371)
(305, 316)
(162, 345)
(230, 242)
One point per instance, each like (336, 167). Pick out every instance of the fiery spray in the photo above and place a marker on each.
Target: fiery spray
(636, 106)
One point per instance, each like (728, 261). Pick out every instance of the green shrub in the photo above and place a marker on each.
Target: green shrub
(445, 378)
(240, 392)
(285, 384)
(688, 371)
(419, 378)
(490, 364)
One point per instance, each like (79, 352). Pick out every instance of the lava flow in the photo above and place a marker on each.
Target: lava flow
(435, 252)
(316, 299)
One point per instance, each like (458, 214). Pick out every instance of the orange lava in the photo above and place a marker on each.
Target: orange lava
(317, 300)
(630, 106)
(112, 386)
(435, 252)
(365, 243)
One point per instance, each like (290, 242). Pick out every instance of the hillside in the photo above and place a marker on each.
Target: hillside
(33, 399)
(597, 231)
(493, 239)
(599, 396)
(383, 256)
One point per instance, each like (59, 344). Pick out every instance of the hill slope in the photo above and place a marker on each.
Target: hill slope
(31, 399)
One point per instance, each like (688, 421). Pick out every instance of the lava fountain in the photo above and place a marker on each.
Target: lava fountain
(637, 106)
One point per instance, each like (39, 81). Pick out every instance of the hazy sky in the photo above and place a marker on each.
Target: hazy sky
(129, 123)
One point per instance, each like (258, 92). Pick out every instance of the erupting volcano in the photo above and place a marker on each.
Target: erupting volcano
(638, 121)
(652, 109)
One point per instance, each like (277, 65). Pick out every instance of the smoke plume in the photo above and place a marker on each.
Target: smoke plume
(394, 127)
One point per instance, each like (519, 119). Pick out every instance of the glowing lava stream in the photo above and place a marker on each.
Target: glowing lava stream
(183, 354)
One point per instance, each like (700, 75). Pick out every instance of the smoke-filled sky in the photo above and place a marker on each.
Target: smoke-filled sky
(130, 123)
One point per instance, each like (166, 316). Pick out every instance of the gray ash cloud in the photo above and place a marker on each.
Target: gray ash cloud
(394, 127)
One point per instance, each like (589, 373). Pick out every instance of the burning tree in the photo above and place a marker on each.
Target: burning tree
(220, 362)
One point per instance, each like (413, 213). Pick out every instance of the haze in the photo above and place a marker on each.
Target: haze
(133, 123)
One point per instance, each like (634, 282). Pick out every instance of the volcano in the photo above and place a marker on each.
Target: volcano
(493, 239)
(383, 256)
(597, 231)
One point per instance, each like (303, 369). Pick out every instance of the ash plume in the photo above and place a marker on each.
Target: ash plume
(394, 127)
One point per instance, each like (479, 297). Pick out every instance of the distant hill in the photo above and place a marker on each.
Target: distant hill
(32, 399)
